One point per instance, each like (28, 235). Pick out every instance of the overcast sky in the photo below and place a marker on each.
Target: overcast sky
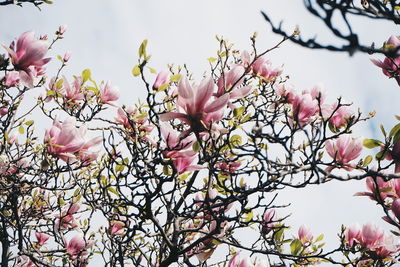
(104, 36)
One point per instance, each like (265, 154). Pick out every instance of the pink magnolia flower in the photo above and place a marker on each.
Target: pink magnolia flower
(207, 247)
(135, 124)
(394, 155)
(12, 78)
(353, 234)
(122, 116)
(317, 93)
(373, 238)
(65, 139)
(180, 150)
(73, 92)
(341, 115)
(3, 111)
(371, 235)
(387, 248)
(245, 58)
(344, 149)
(240, 261)
(109, 94)
(13, 137)
(41, 238)
(198, 109)
(396, 187)
(117, 228)
(393, 41)
(231, 83)
(162, 78)
(130, 115)
(304, 108)
(263, 67)
(305, 235)
(76, 246)
(390, 66)
(186, 164)
(396, 208)
(25, 261)
(232, 77)
(269, 221)
(287, 92)
(385, 189)
(27, 56)
(229, 167)
(86, 154)
(67, 219)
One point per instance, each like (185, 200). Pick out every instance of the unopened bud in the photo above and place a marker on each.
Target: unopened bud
(66, 57)
(61, 29)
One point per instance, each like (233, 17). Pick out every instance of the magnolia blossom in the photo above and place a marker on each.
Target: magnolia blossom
(12, 78)
(196, 107)
(207, 247)
(73, 92)
(305, 235)
(108, 94)
(65, 139)
(238, 260)
(340, 116)
(67, 219)
(129, 118)
(27, 56)
(76, 246)
(41, 238)
(287, 92)
(117, 228)
(344, 149)
(186, 164)
(371, 237)
(180, 150)
(231, 83)
(304, 108)
(136, 125)
(263, 67)
(305, 105)
(269, 221)
(162, 78)
(86, 155)
(122, 116)
(390, 66)
(352, 234)
(229, 167)
(4, 111)
(12, 168)
(394, 155)
(396, 208)
(317, 93)
(381, 187)
(25, 261)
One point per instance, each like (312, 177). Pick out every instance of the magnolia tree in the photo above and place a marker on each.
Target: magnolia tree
(181, 177)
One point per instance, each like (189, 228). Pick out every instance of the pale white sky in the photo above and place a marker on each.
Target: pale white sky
(104, 36)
